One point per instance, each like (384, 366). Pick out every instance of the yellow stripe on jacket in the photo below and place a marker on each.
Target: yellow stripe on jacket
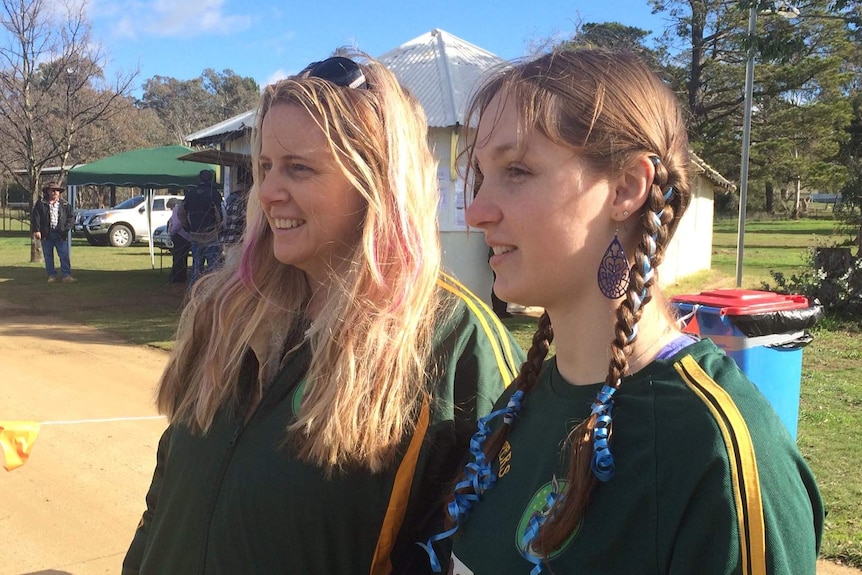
(743, 465)
(507, 366)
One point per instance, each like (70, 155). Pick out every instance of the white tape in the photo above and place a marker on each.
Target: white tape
(103, 420)
(736, 343)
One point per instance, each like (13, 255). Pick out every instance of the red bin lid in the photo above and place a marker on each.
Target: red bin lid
(744, 302)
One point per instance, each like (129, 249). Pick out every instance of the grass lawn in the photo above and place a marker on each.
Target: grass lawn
(118, 291)
(121, 293)
(774, 245)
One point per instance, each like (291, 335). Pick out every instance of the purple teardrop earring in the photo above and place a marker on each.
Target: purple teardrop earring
(613, 276)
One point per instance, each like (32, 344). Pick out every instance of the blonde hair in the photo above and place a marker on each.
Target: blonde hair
(372, 342)
(612, 111)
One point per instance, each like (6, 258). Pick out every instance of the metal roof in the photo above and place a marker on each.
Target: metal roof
(441, 70)
(225, 130)
(711, 173)
(220, 157)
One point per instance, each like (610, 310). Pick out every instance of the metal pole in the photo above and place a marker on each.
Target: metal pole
(798, 182)
(746, 141)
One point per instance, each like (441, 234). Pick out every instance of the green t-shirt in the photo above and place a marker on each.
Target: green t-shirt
(673, 505)
(236, 501)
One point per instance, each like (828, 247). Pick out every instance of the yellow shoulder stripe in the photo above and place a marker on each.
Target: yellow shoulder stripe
(381, 564)
(743, 465)
(507, 366)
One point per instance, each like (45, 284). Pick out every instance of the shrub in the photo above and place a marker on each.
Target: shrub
(833, 276)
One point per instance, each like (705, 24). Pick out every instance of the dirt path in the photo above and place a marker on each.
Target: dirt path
(72, 509)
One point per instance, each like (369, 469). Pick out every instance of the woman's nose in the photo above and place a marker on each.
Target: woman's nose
(271, 190)
(482, 211)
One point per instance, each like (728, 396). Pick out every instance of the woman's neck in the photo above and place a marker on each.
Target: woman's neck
(583, 335)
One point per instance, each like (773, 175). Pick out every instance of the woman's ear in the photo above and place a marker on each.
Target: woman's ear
(632, 188)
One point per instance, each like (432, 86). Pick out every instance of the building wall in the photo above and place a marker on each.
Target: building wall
(690, 250)
(465, 253)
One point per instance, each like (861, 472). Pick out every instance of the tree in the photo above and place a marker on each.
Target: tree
(130, 128)
(800, 90)
(231, 94)
(186, 106)
(615, 36)
(52, 88)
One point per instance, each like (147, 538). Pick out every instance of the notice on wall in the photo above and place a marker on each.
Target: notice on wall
(452, 205)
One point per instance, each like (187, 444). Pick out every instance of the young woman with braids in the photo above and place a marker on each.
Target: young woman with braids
(635, 448)
(325, 383)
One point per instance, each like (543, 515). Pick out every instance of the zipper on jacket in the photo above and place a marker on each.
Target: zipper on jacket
(231, 446)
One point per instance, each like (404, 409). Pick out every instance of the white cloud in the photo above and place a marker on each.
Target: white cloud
(59, 8)
(275, 77)
(168, 18)
(124, 28)
(172, 18)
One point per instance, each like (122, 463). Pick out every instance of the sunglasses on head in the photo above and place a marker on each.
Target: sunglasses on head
(340, 71)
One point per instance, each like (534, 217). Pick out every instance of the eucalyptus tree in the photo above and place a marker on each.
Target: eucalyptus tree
(186, 106)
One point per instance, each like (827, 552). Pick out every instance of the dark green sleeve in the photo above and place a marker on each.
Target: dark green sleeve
(707, 537)
(135, 554)
(475, 359)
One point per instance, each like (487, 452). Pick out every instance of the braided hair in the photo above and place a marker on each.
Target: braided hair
(612, 111)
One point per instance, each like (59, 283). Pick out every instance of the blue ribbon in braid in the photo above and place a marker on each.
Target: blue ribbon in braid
(478, 477)
(602, 463)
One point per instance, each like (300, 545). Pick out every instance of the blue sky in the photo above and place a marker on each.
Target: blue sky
(269, 39)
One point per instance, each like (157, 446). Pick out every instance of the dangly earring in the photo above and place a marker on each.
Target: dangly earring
(613, 276)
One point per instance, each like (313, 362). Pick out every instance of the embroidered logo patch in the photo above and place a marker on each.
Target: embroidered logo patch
(296, 401)
(539, 507)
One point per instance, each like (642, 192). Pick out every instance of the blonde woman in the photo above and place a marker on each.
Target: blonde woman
(635, 449)
(324, 384)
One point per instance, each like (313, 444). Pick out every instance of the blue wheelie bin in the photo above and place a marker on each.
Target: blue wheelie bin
(764, 332)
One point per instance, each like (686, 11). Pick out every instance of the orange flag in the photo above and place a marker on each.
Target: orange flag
(16, 440)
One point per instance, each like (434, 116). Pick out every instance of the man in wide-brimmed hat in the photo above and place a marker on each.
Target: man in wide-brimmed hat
(50, 223)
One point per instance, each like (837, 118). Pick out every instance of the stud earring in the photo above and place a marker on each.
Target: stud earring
(625, 213)
(613, 276)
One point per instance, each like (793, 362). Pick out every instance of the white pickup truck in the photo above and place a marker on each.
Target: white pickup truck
(124, 223)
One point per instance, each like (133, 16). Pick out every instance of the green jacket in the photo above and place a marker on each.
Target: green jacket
(708, 480)
(235, 501)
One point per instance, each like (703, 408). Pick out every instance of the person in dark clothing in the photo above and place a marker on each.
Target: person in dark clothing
(634, 448)
(203, 217)
(182, 244)
(50, 223)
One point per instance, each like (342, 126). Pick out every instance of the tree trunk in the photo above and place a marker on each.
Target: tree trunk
(36, 255)
(770, 197)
